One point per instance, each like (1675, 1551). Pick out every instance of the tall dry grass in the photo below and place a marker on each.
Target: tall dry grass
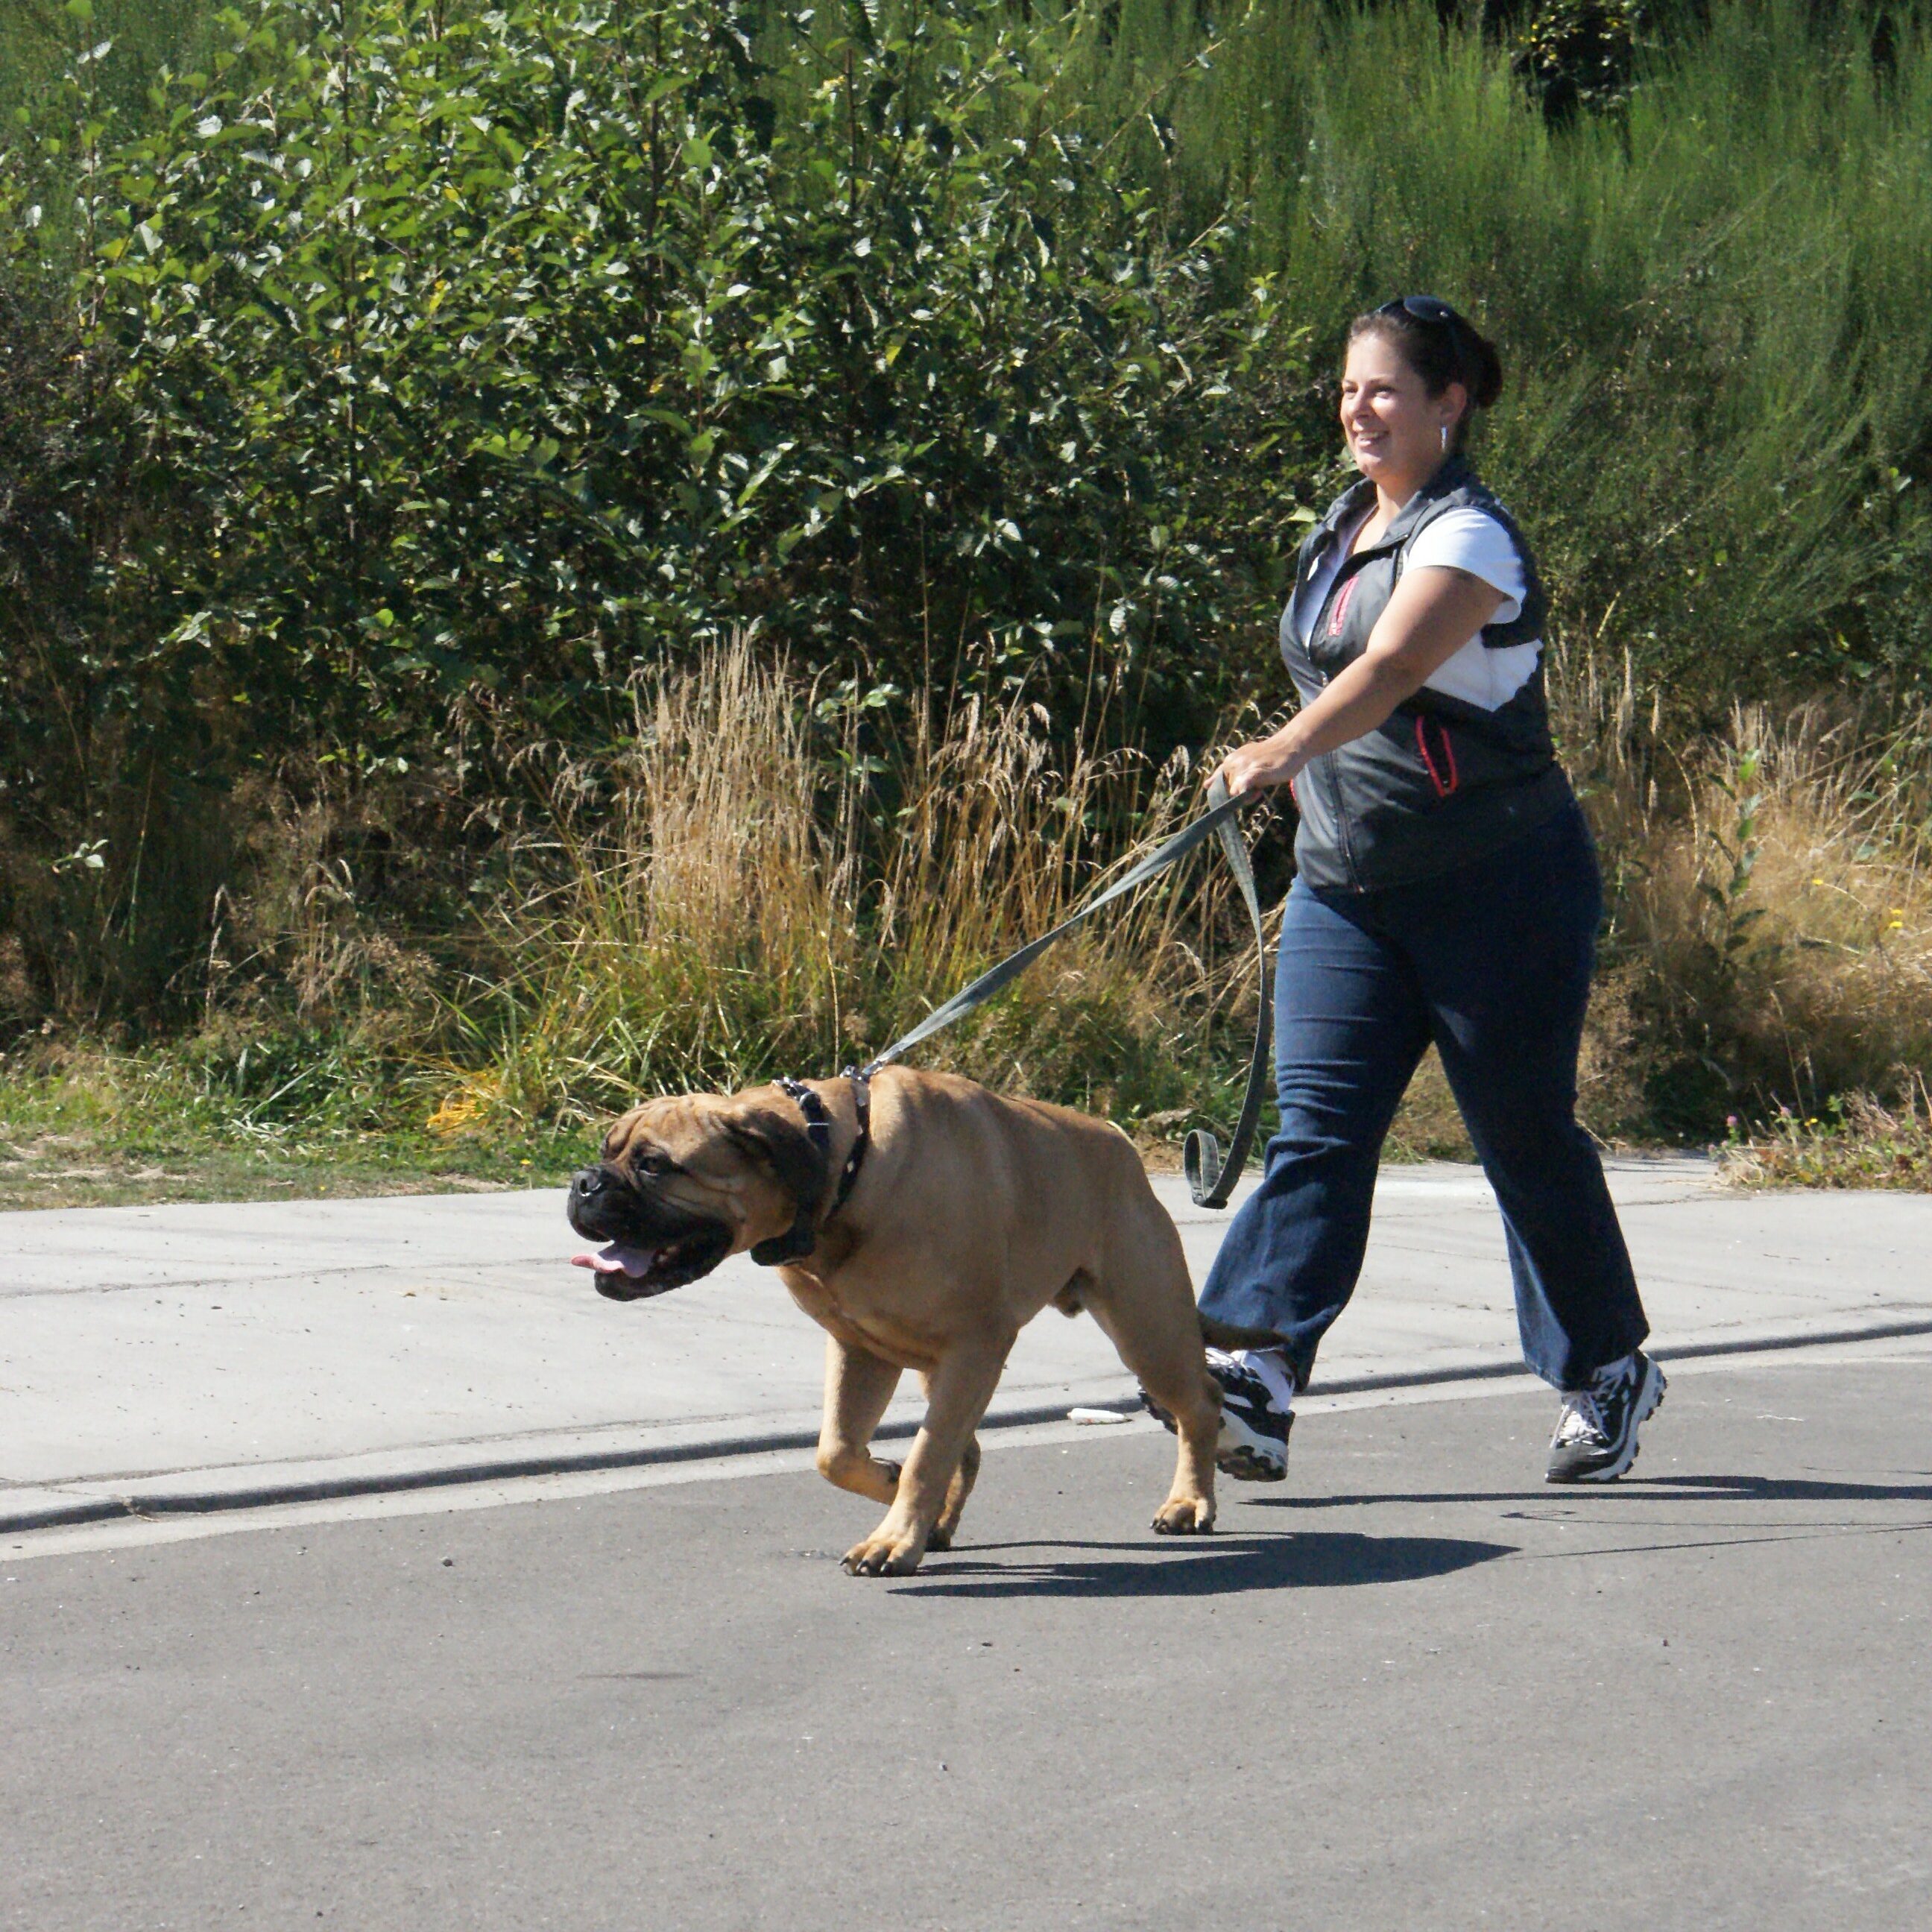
(1765, 974)
(1768, 952)
(744, 890)
(754, 882)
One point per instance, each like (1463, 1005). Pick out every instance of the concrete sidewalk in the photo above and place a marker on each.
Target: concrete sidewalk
(170, 1359)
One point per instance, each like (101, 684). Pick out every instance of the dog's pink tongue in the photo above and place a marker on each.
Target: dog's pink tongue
(616, 1259)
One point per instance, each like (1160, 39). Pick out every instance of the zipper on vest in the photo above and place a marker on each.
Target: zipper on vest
(1340, 812)
(1335, 613)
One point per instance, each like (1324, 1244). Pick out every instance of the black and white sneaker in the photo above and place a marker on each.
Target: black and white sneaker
(1596, 1430)
(1253, 1445)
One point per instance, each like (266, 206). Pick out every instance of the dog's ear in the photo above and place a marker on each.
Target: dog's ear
(785, 1151)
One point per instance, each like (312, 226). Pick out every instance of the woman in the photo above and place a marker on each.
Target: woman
(1447, 890)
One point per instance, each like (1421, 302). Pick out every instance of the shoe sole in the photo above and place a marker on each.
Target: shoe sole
(1237, 1459)
(1246, 1466)
(1648, 1403)
(1254, 1460)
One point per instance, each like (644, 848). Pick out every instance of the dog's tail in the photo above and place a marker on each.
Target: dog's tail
(1227, 1335)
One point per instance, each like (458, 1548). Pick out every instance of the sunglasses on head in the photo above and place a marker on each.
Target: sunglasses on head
(1428, 308)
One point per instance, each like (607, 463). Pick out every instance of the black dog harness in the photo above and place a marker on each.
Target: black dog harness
(802, 1237)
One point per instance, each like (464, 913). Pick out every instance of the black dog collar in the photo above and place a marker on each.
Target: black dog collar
(801, 1237)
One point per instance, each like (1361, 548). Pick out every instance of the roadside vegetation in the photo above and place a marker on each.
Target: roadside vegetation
(559, 550)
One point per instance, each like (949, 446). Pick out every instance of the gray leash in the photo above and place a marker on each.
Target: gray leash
(1210, 1180)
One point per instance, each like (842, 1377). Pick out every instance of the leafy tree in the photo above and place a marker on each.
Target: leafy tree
(428, 369)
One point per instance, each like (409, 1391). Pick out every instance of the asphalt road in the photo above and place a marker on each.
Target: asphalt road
(1414, 1688)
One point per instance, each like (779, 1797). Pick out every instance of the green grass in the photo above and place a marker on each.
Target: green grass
(41, 39)
(1718, 410)
(110, 1129)
(103, 1129)
(1852, 1144)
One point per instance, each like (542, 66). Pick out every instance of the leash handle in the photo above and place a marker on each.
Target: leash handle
(1210, 1180)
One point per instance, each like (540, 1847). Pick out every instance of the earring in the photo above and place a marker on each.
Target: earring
(1445, 439)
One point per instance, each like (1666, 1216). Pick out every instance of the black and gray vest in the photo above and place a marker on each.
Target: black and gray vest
(1441, 781)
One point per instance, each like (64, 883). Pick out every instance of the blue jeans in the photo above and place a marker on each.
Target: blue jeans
(1491, 961)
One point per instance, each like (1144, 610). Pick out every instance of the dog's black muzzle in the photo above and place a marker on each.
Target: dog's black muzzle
(653, 1247)
(602, 1205)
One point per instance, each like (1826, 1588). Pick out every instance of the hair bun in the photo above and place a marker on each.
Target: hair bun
(1484, 366)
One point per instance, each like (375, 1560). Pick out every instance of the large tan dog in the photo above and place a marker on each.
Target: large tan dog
(969, 1214)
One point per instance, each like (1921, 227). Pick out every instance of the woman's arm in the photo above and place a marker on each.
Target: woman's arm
(1433, 613)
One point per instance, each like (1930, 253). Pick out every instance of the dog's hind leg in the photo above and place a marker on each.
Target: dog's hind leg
(957, 1491)
(1146, 1310)
(957, 1392)
(858, 1385)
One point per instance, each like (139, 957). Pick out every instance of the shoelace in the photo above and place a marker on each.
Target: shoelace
(1581, 1417)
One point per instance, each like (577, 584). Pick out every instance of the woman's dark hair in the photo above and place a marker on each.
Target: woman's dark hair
(1441, 346)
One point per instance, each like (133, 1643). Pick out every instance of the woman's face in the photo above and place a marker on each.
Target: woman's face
(1393, 427)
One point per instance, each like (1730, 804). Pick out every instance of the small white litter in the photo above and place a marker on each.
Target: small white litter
(1095, 1415)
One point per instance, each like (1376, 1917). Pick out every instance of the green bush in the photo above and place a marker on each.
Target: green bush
(1580, 54)
(419, 375)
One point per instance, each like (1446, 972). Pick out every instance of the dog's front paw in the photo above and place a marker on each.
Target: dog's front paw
(1184, 1516)
(887, 1552)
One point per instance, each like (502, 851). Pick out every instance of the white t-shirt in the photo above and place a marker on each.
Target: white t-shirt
(1461, 539)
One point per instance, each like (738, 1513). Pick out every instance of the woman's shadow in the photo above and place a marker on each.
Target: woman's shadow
(1215, 1566)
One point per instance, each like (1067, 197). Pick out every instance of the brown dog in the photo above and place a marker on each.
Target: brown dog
(970, 1214)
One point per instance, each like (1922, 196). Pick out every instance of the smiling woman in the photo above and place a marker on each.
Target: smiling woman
(1447, 892)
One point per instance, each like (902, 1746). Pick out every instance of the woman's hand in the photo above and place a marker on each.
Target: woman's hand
(1254, 768)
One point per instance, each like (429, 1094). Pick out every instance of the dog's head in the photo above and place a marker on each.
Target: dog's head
(683, 1183)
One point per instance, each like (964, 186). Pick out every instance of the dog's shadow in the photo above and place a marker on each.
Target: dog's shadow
(1210, 1566)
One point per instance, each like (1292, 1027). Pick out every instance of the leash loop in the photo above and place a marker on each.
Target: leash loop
(1210, 1180)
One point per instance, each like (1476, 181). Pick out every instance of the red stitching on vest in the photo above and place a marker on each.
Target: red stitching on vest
(1341, 609)
(1442, 789)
